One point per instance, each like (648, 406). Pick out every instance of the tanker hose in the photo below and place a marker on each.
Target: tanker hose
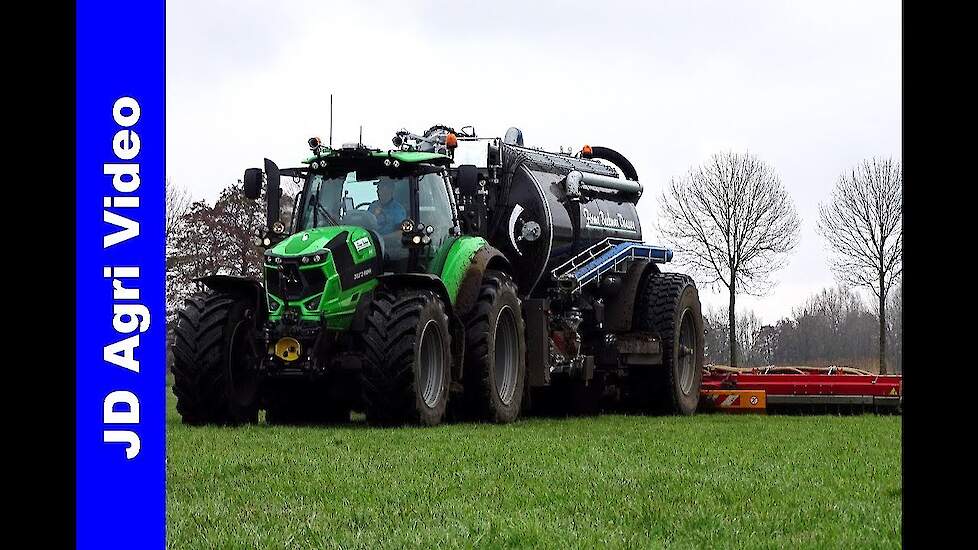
(616, 158)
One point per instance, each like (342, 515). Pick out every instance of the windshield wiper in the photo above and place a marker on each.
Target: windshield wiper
(315, 212)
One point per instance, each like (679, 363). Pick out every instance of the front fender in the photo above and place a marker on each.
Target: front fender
(244, 286)
(463, 269)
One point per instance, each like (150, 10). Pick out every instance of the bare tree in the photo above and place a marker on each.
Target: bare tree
(863, 225)
(748, 332)
(733, 223)
(833, 326)
(177, 204)
(717, 348)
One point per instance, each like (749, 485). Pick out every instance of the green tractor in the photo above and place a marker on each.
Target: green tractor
(451, 275)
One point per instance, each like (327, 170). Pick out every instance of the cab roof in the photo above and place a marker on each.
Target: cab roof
(408, 157)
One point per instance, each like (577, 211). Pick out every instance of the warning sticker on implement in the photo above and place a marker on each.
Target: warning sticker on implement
(893, 391)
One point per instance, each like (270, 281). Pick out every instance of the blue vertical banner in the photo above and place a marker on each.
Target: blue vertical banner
(120, 375)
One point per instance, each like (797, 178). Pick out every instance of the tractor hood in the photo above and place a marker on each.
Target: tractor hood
(320, 273)
(311, 241)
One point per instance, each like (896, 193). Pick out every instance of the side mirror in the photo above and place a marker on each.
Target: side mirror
(273, 193)
(252, 183)
(467, 179)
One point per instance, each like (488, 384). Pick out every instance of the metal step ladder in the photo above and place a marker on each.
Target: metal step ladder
(605, 256)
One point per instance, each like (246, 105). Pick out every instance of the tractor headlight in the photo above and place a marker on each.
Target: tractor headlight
(313, 304)
(407, 225)
(272, 306)
(315, 257)
(278, 228)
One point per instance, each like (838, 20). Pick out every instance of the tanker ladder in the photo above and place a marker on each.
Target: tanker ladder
(605, 256)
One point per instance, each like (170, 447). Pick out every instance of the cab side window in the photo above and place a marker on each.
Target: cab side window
(435, 209)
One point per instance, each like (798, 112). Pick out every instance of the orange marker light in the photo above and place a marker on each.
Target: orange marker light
(586, 151)
(451, 141)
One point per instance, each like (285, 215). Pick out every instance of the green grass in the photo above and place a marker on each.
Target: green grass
(609, 481)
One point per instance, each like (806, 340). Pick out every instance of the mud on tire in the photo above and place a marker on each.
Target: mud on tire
(407, 358)
(215, 359)
(495, 351)
(669, 304)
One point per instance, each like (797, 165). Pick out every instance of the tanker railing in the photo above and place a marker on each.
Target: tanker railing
(607, 255)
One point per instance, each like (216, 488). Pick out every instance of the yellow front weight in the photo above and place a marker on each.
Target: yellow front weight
(287, 349)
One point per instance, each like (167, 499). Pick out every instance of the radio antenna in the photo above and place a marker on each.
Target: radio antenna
(330, 121)
(360, 144)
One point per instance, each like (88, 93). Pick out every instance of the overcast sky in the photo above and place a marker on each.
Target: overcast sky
(809, 87)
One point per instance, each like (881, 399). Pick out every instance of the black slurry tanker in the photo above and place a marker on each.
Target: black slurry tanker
(452, 275)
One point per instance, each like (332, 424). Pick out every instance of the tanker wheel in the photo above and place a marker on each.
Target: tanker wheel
(216, 354)
(669, 304)
(407, 358)
(495, 351)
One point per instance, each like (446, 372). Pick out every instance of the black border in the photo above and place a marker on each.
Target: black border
(39, 363)
(925, 206)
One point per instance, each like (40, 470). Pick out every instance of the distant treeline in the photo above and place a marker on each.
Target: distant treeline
(834, 327)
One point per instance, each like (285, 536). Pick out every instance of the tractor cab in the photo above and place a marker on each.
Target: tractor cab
(402, 199)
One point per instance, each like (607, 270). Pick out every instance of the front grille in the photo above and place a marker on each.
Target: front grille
(288, 282)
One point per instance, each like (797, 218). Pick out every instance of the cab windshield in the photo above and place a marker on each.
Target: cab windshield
(379, 204)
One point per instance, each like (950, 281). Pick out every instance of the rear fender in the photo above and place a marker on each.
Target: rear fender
(620, 312)
(464, 269)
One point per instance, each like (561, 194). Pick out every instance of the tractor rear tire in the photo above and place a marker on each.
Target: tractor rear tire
(407, 360)
(669, 304)
(495, 351)
(215, 361)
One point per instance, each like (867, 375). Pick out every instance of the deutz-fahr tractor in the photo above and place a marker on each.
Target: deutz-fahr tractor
(451, 276)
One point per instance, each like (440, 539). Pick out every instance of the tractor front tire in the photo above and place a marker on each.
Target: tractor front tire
(407, 362)
(669, 304)
(495, 351)
(215, 362)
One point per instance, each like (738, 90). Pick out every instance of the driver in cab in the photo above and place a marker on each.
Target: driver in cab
(389, 212)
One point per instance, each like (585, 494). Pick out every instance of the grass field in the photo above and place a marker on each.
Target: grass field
(610, 481)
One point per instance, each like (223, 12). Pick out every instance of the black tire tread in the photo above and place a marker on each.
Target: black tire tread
(387, 380)
(657, 304)
(479, 390)
(199, 368)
